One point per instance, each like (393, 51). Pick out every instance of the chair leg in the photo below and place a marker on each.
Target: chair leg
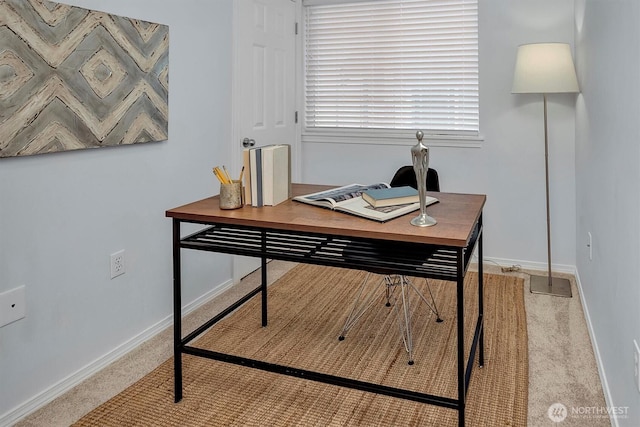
(366, 297)
(364, 300)
(388, 289)
(407, 319)
(432, 306)
(404, 318)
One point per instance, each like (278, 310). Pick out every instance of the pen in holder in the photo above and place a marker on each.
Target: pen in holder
(231, 195)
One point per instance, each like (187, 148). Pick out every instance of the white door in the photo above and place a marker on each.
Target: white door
(264, 90)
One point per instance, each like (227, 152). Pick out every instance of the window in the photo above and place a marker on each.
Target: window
(395, 65)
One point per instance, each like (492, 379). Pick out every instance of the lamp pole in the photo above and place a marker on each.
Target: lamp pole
(546, 171)
(559, 287)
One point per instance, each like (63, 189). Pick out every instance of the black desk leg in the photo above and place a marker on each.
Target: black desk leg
(177, 314)
(480, 294)
(461, 360)
(264, 291)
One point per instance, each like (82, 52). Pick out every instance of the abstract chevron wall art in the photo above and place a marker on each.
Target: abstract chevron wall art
(72, 78)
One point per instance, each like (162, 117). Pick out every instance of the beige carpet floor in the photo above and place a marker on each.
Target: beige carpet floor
(562, 367)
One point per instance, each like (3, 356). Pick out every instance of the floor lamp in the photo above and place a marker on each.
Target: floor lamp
(545, 68)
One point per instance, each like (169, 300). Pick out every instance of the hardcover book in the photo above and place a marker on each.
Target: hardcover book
(246, 162)
(255, 159)
(276, 174)
(381, 197)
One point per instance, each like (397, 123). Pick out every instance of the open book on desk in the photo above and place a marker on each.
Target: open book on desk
(348, 199)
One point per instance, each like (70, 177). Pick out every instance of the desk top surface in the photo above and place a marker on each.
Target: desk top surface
(456, 214)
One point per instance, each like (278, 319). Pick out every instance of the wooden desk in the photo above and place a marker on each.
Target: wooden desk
(297, 232)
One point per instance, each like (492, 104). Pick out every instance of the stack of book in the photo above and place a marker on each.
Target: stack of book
(267, 174)
(385, 202)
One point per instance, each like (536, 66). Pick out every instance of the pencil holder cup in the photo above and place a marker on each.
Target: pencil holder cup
(231, 195)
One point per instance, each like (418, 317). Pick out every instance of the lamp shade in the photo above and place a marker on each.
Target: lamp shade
(544, 68)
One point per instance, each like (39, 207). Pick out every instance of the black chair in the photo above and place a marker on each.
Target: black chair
(405, 176)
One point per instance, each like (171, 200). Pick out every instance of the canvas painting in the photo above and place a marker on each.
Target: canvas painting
(72, 78)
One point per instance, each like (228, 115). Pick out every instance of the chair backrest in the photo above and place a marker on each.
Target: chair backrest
(406, 176)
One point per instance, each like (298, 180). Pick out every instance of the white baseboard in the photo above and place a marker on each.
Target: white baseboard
(596, 351)
(66, 384)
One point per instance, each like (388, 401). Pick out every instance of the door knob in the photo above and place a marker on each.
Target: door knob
(246, 142)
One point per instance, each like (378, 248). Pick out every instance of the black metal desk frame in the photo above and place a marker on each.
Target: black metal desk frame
(382, 256)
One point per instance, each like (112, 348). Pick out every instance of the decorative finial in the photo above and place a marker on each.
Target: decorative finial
(419, 135)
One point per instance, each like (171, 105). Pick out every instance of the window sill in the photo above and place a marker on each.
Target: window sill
(388, 137)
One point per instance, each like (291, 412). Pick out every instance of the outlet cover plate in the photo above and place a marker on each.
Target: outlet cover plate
(636, 364)
(12, 306)
(117, 264)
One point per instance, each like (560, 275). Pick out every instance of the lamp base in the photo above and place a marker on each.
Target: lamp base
(559, 287)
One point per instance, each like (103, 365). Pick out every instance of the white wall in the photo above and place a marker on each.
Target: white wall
(509, 167)
(608, 187)
(62, 215)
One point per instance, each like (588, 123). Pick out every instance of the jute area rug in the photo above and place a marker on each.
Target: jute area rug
(307, 308)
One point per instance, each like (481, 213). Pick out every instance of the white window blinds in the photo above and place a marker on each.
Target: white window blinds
(402, 64)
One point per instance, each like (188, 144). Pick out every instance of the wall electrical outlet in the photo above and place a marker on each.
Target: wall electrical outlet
(117, 264)
(12, 305)
(636, 364)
